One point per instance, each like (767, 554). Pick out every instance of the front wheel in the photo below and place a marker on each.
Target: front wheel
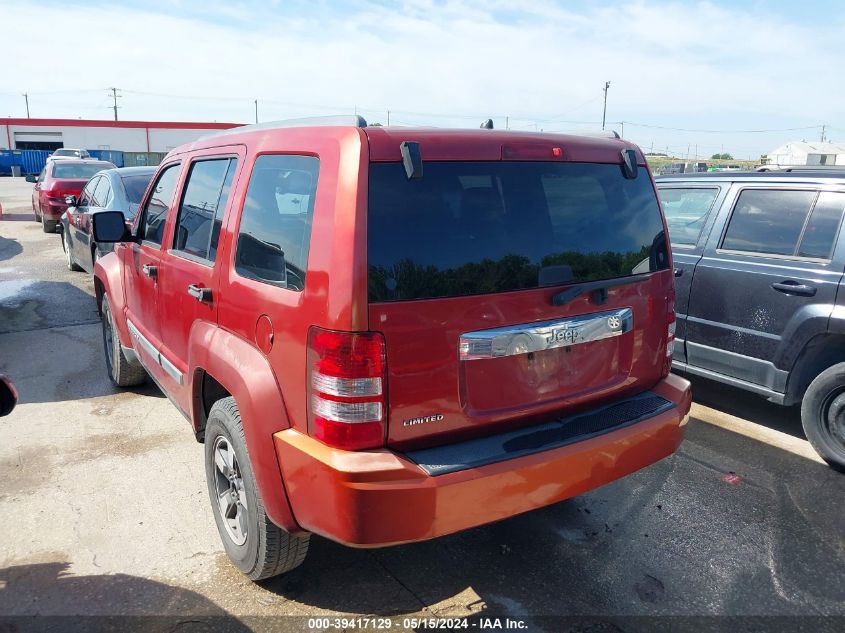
(256, 546)
(823, 415)
(120, 370)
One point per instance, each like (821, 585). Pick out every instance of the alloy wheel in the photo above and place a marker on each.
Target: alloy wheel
(229, 488)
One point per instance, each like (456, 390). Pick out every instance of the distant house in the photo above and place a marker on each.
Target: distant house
(804, 153)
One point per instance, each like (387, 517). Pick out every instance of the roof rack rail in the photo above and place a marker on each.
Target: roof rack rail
(596, 133)
(340, 120)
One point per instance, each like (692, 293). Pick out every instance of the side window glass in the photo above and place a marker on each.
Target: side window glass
(820, 233)
(101, 193)
(768, 221)
(41, 175)
(158, 205)
(275, 228)
(221, 208)
(109, 195)
(203, 203)
(686, 210)
(86, 197)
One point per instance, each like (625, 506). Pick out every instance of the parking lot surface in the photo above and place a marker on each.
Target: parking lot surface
(106, 509)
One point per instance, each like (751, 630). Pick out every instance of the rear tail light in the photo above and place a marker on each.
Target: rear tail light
(346, 404)
(671, 321)
(59, 194)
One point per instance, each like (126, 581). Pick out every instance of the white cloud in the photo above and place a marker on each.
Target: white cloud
(688, 65)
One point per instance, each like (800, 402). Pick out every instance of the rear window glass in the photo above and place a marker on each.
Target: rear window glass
(76, 171)
(136, 186)
(469, 228)
(686, 210)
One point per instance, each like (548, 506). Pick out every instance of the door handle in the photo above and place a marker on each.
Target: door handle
(795, 288)
(202, 295)
(679, 272)
(150, 271)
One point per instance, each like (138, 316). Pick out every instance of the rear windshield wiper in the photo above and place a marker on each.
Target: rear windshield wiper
(598, 288)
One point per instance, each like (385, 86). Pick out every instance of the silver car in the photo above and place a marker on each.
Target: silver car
(68, 152)
(118, 189)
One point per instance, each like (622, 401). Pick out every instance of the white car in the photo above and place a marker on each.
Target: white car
(67, 152)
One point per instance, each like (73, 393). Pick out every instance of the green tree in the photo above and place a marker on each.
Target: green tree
(724, 156)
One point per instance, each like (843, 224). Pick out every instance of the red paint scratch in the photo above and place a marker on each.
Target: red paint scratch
(731, 478)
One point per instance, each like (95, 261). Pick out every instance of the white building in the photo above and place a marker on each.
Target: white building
(808, 153)
(126, 136)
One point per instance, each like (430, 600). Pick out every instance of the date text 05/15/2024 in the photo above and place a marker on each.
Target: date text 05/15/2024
(447, 624)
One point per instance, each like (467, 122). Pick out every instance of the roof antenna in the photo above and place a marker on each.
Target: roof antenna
(487, 125)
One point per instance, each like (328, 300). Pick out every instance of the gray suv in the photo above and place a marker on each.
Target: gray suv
(759, 261)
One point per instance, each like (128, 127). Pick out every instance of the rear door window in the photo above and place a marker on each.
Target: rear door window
(823, 226)
(86, 197)
(686, 210)
(275, 229)
(786, 223)
(203, 203)
(469, 228)
(102, 194)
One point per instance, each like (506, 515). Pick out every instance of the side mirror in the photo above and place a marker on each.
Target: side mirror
(71, 201)
(110, 227)
(8, 395)
(31, 178)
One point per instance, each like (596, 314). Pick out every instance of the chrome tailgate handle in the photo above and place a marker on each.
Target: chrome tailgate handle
(537, 337)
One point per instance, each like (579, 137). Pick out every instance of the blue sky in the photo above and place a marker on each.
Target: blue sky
(684, 75)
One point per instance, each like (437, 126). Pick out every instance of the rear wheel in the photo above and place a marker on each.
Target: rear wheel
(49, 226)
(256, 546)
(823, 415)
(71, 264)
(121, 371)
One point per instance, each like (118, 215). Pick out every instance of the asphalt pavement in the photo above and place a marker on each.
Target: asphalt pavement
(107, 514)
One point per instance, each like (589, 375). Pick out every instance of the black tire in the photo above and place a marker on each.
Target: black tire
(71, 264)
(120, 370)
(823, 415)
(266, 549)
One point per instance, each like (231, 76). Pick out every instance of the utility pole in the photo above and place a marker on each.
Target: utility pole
(115, 96)
(388, 117)
(622, 133)
(604, 112)
(256, 110)
(822, 139)
(507, 122)
(26, 98)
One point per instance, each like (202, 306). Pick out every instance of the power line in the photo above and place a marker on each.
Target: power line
(680, 129)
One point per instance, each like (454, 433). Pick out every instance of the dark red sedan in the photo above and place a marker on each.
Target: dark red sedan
(58, 179)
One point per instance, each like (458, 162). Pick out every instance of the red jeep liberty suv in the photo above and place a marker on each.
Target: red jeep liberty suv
(386, 335)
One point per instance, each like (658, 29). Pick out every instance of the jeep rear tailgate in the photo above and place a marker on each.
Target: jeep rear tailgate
(470, 271)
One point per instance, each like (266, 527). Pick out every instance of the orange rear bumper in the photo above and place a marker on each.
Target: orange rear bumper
(377, 498)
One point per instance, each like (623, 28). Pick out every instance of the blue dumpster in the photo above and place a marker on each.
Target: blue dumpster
(33, 160)
(115, 157)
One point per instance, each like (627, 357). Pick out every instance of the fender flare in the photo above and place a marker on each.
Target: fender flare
(247, 375)
(108, 279)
